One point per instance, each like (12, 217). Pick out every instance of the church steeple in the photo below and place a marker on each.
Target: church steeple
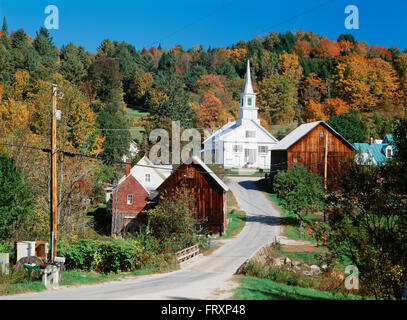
(248, 84)
(248, 109)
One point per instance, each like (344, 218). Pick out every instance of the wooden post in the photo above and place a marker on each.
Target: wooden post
(325, 171)
(53, 196)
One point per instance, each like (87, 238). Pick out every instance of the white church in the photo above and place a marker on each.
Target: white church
(243, 143)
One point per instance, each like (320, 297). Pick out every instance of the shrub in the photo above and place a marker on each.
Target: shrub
(7, 248)
(172, 223)
(301, 191)
(254, 269)
(115, 255)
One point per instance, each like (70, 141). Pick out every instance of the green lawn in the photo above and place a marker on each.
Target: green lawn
(133, 115)
(264, 289)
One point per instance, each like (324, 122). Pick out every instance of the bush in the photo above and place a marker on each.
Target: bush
(301, 191)
(172, 223)
(111, 256)
(7, 248)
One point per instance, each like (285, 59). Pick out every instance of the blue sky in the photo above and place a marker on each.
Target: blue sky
(215, 23)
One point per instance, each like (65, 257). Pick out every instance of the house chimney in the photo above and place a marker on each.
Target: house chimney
(128, 165)
(371, 141)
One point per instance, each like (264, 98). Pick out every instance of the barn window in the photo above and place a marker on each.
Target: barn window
(321, 134)
(129, 199)
(295, 159)
(148, 177)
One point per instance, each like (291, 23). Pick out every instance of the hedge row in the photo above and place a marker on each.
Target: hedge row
(110, 255)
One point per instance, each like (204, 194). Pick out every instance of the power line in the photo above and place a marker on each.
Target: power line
(75, 154)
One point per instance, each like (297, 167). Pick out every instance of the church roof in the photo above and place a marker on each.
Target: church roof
(222, 131)
(230, 126)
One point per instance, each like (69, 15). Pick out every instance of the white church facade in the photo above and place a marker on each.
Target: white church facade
(244, 142)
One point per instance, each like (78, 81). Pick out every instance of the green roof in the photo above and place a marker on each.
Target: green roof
(377, 151)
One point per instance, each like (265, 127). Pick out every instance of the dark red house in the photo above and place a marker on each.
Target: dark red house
(129, 197)
(207, 191)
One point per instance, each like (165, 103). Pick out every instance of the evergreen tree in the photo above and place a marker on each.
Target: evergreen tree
(16, 200)
(349, 125)
(347, 37)
(4, 27)
(5, 39)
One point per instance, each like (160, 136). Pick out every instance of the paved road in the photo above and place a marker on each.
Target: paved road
(196, 280)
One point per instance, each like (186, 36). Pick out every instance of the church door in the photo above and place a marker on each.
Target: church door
(250, 156)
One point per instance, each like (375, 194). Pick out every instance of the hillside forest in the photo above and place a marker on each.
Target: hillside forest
(359, 88)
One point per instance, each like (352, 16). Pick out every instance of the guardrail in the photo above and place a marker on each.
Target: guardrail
(187, 253)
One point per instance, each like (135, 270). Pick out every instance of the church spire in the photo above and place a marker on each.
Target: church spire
(248, 89)
(248, 109)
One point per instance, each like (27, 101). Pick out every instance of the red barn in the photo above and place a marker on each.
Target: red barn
(129, 197)
(208, 193)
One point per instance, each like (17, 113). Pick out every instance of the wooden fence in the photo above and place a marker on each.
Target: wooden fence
(187, 253)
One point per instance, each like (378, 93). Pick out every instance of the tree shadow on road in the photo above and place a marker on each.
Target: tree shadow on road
(273, 221)
(248, 185)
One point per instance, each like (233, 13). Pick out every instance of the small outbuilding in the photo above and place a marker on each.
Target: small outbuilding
(207, 191)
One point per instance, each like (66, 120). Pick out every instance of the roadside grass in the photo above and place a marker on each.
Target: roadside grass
(263, 280)
(307, 257)
(291, 231)
(290, 224)
(236, 218)
(72, 278)
(265, 289)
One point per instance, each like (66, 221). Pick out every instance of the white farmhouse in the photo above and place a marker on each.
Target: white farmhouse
(244, 142)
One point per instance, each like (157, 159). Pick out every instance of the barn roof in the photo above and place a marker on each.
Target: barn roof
(303, 130)
(196, 160)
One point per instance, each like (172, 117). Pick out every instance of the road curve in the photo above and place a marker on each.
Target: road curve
(196, 280)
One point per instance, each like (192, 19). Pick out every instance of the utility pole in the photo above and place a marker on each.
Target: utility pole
(53, 197)
(325, 171)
